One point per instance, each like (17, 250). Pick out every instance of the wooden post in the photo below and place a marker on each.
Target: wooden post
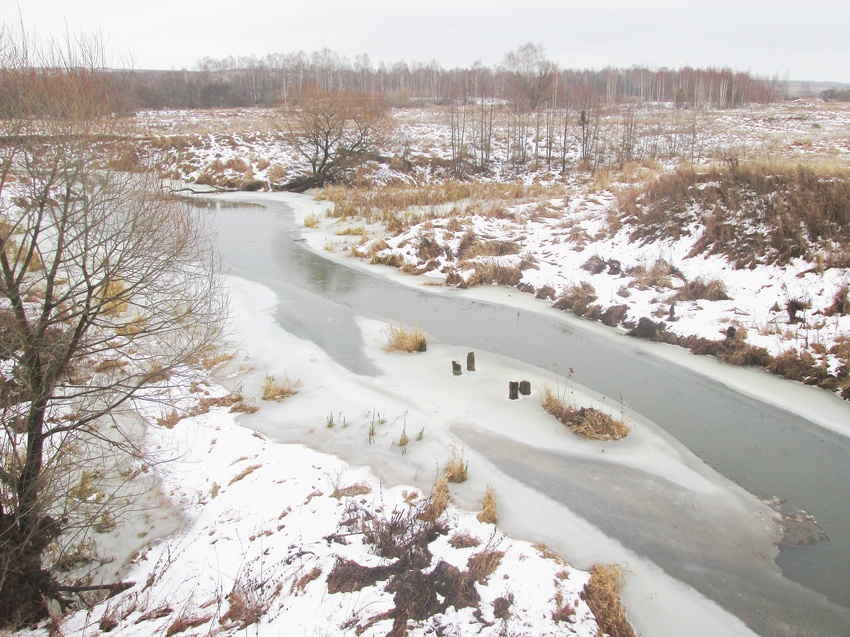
(525, 388)
(470, 362)
(513, 390)
(456, 369)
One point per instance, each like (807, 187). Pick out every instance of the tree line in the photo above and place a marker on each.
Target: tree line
(280, 78)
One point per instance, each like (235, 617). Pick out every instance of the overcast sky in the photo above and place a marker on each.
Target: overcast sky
(800, 40)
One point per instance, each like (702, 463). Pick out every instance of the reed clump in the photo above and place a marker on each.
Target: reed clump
(587, 422)
(405, 339)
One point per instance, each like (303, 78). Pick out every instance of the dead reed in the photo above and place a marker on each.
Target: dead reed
(587, 422)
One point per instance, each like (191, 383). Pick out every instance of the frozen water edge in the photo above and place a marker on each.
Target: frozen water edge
(658, 604)
(597, 332)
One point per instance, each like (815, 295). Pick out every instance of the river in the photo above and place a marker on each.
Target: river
(767, 450)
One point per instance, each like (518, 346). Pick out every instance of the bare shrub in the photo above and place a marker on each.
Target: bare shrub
(602, 595)
(405, 339)
(793, 306)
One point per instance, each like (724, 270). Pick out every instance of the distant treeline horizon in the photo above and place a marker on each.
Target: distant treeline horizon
(526, 80)
(279, 78)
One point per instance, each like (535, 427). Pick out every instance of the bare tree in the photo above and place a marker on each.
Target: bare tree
(106, 287)
(333, 132)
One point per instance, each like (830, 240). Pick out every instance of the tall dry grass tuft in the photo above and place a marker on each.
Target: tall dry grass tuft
(437, 502)
(586, 421)
(487, 515)
(405, 339)
(456, 469)
(700, 288)
(278, 391)
(602, 595)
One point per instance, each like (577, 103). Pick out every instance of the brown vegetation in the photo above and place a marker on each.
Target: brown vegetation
(488, 508)
(753, 213)
(587, 422)
(602, 595)
(405, 339)
(278, 391)
(456, 469)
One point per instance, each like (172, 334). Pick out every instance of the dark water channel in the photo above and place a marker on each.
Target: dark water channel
(765, 449)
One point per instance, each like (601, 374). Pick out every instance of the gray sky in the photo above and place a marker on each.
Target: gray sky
(800, 40)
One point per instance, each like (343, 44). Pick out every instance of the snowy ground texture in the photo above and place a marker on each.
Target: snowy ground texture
(263, 526)
(564, 233)
(266, 530)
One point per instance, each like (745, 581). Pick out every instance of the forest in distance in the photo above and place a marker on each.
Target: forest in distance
(279, 78)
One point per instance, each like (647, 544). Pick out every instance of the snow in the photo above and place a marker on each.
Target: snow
(251, 494)
(255, 510)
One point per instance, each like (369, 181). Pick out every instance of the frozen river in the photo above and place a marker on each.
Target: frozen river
(767, 450)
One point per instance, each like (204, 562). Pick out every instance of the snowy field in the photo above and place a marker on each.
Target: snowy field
(270, 506)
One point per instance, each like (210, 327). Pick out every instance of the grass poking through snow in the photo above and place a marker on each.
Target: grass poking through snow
(587, 422)
(405, 339)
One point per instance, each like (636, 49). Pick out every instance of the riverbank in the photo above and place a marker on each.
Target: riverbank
(315, 295)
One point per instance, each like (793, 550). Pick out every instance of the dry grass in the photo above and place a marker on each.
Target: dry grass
(577, 299)
(437, 502)
(244, 608)
(169, 420)
(483, 564)
(352, 490)
(456, 469)
(564, 611)
(658, 276)
(278, 391)
(700, 288)
(487, 515)
(311, 220)
(486, 273)
(244, 473)
(756, 212)
(186, 620)
(586, 421)
(111, 364)
(135, 326)
(111, 296)
(300, 583)
(840, 302)
(398, 206)
(215, 360)
(405, 339)
(602, 595)
(464, 541)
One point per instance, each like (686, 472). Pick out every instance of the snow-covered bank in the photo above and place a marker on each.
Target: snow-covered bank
(754, 291)
(258, 511)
